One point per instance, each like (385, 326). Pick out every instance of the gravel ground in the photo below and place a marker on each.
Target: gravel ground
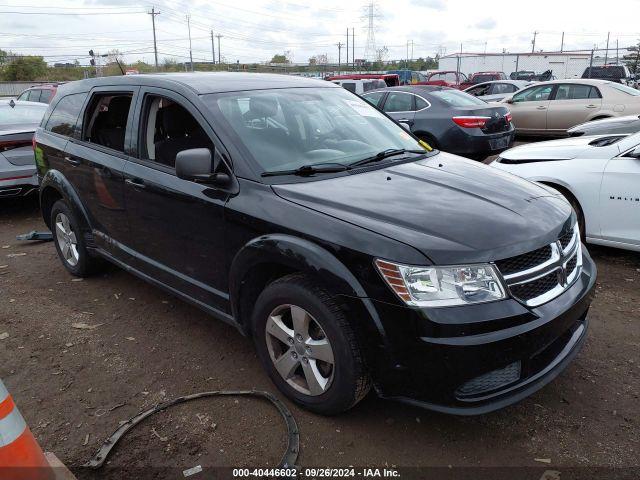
(81, 356)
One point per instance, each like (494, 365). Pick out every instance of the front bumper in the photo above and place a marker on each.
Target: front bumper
(475, 359)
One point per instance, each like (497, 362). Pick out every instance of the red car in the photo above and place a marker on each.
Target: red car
(481, 77)
(39, 93)
(447, 78)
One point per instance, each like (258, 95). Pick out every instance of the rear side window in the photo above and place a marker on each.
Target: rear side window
(504, 88)
(576, 92)
(398, 102)
(106, 119)
(65, 114)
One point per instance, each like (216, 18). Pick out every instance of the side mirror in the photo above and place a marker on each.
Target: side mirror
(405, 125)
(509, 100)
(197, 165)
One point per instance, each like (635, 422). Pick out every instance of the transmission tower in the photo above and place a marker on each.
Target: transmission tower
(371, 13)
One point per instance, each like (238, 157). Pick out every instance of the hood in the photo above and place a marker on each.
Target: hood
(563, 149)
(600, 126)
(451, 209)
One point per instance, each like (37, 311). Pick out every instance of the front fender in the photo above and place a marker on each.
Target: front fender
(55, 181)
(302, 255)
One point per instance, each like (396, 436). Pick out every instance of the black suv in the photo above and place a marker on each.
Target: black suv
(354, 254)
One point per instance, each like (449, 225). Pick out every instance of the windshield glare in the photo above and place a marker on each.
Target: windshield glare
(287, 128)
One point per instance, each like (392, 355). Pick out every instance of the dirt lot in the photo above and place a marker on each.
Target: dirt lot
(140, 346)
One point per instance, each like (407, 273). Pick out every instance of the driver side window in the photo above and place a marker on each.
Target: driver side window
(534, 94)
(169, 128)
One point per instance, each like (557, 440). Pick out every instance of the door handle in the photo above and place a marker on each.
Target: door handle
(541, 107)
(135, 183)
(72, 161)
(592, 106)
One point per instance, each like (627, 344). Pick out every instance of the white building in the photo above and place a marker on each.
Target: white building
(563, 65)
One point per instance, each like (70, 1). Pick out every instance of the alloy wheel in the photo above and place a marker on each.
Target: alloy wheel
(67, 240)
(300, 349)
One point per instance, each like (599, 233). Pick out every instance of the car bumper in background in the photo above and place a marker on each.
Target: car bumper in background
(474, 142)
(474, 359)
(17, 180)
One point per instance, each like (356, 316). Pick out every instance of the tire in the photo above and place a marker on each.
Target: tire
(346, 380)
(70, 243)
(580, 216)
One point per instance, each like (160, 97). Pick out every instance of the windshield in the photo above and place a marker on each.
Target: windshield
(456, 98)
(289, 128)
(21, 114)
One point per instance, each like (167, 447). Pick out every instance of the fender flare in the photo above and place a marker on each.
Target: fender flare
(303, 256)
(54, 179)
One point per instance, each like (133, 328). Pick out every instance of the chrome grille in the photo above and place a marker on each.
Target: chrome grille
(540, 276)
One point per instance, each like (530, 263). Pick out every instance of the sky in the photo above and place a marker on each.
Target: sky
(255, 30)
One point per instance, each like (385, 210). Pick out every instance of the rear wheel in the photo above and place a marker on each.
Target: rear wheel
(69, 241)
(308, 346)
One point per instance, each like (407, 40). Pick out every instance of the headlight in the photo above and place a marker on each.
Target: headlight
(442, 286)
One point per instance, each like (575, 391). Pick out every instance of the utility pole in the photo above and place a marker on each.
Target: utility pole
(190, 51)
(347, 63)
(153, 14)
(562, 43)
(218, 36)
(533, 42)
(213, 49)
(617, 53)
(339, 45)
(606, 53)
(353, 46)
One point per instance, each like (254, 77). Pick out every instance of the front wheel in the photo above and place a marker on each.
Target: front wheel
(308, 346)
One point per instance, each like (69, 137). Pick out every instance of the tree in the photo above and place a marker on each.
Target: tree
(632, 59)
(279, 58)
(25, 68)
(313, 61)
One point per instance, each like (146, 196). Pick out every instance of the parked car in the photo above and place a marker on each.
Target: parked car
(409, 77)
(497, 90)
(360, 86)
(448, 119)
(551, 108)
(391, 80)
(613, 73)
(531, 76)
(615, 125)
(444, 78)
(18, 122)
(314, 223)
(599, 175)
(481, 77)
(40, 93)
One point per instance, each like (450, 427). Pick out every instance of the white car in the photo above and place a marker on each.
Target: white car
(599, 175)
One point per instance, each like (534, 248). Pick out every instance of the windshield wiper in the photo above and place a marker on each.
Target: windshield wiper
(391, 152)
(306, 170)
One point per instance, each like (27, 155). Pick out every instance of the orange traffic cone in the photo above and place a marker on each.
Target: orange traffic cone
(20, 455)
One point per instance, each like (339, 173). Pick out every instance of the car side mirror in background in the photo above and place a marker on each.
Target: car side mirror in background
(405, 125)
(509, 100)
(197, 165)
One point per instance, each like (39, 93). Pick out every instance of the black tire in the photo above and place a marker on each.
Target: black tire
(350, 382)
(86, 264)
